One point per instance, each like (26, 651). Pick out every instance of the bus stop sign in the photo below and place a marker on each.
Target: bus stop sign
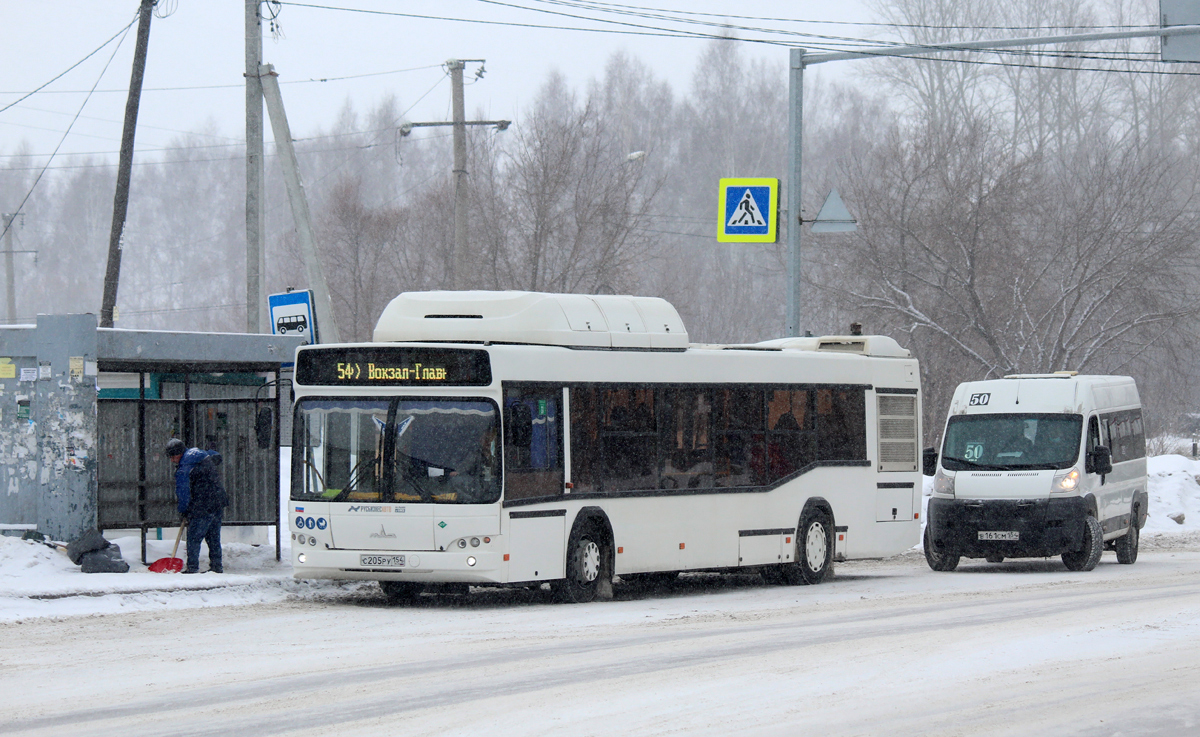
(292, 314)
(747, 211)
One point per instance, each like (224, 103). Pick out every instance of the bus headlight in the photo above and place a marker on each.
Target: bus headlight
(1066, 482)
(302, 558)
(943, 483)
(470, 560)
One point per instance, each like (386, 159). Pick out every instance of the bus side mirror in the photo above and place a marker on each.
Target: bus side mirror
(519, 425)
(929, 459)
(1099, 461)
(263, 421)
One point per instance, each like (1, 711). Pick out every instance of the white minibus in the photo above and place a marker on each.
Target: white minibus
(1038, 465)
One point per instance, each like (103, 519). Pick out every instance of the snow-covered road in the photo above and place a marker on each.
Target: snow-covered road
(884, 648)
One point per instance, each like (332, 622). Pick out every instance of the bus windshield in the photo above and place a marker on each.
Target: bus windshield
(1012, 441)
(443, 451)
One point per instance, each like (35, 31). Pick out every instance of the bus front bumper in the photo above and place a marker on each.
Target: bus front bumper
(421, 566)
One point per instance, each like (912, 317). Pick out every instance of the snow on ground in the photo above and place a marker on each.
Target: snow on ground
(1173, 489)
(39, 581)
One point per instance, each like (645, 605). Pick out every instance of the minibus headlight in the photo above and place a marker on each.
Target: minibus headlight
(943, 483)
(302, 558)
(471, 560)
(1066, 481)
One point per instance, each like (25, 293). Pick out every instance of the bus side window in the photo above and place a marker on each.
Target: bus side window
(739, 434)
(685, 455)
(533, 452)
(790, 438)
(628, 436)
(841, 424)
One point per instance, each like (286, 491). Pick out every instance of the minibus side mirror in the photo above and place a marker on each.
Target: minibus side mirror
(929, 459)
(519, 425)
(1099, 461)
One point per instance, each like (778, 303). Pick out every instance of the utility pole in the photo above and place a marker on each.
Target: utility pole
(799, 60)
(458, 259)
(299, 203)
(10, 280)
(255, 252)
(112, 273)
(795, 221)
(458, 269)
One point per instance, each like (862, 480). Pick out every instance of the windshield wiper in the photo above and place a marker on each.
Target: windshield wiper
(973, 464)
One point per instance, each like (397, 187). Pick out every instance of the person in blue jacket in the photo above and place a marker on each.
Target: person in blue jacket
(202, 501)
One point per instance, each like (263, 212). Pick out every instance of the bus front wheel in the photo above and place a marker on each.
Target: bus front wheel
(814, 549)
(587, 565)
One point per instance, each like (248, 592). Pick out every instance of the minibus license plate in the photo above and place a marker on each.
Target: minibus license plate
(999, 535)
(395, 561)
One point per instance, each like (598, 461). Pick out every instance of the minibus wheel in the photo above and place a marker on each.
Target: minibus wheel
(1127, 545)
(1088, 556)
(941, 562)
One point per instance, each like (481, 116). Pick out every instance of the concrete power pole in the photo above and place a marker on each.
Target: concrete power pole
(255, 252)
(458, 259)
(112, 272)
(10, 279)
(299, 202)
(458, 270)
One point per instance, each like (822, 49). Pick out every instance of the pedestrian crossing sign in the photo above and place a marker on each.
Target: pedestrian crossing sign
(748, 211)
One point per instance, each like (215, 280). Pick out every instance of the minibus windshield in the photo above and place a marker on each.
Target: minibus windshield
(443, 451)
(1012, 441)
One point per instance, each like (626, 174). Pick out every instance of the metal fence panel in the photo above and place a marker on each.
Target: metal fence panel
(250, 473)
(127, 499)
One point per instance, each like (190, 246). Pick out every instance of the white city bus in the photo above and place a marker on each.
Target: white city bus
(521, 438)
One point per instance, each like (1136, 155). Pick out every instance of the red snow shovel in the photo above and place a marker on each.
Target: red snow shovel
(172, 564)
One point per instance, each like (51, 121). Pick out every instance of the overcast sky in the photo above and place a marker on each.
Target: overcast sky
(200, 45)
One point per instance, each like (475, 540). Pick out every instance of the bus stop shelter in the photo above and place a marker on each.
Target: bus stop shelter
(86, 411)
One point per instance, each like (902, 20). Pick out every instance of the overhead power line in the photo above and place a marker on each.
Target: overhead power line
(642, 10)
(817, 42)
(67, 132)
(58, 76)
(238, 86)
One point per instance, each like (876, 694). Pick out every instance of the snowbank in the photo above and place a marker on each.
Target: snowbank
(1173, 489)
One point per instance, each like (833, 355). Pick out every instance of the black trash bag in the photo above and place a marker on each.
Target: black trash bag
(88, 542)
(33, 535)
(107, 560)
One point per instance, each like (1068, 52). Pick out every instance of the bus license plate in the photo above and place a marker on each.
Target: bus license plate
(999, 535)
(392, 561)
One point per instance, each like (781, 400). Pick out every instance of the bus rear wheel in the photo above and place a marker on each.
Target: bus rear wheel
(587, 564)
(814, 549)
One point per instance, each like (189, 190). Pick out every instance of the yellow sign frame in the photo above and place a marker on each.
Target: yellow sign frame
(726, 209)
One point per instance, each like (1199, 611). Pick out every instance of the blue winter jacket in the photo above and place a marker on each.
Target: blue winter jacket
(198, 484)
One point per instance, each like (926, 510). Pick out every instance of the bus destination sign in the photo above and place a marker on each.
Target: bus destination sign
(393, 366)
